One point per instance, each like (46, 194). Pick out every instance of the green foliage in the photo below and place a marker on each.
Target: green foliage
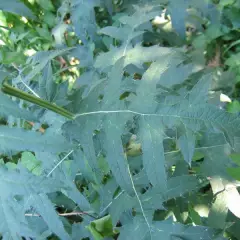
(113, 126)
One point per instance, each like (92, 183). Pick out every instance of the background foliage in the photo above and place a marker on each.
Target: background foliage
(130, 128)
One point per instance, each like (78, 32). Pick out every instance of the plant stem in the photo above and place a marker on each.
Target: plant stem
(6, 88)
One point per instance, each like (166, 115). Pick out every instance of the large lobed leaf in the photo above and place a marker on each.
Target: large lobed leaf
(160, 111)
(22, 187)
(18, 139)
(165, 230)
(17, 7)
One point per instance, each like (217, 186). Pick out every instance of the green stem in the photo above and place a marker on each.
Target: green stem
(6, 88)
